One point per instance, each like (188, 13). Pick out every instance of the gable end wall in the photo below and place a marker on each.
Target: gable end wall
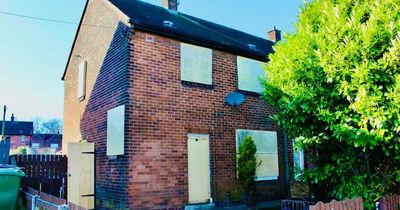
(103, 42)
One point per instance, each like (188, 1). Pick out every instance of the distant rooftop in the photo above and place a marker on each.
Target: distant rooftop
(18, 128)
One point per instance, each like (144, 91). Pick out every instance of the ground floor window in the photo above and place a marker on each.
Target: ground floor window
(298, 161)
(267, 152)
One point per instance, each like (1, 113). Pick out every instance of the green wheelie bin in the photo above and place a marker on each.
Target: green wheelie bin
(10, 180)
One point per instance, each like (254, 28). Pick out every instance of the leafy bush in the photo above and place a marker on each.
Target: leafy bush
(335, 85)
(246, 168)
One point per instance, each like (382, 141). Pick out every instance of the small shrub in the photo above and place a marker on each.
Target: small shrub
(246, 169)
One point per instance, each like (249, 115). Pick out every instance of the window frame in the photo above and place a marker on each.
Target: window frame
(190, 81)
(263, 178)
(115, 139)
(301, 162)
(82, 76)
(245, 90)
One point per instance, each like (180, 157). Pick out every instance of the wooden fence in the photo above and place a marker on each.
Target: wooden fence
(45, 173)
(354, 204)
(391, 202)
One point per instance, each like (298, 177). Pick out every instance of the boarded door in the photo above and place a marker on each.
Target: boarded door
(81, 174)
(199, 168)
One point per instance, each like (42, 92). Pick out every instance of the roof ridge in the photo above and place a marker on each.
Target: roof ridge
(222, 34)
(217, 24)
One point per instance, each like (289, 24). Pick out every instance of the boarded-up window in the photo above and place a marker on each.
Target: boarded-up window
(82, 80)
(249, 72)
(196, 64)
(115, 130)
(267, 152)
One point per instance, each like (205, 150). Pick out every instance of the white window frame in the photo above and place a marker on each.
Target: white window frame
(196, 64)
(274, 135)
(82, 72)
(249, 66)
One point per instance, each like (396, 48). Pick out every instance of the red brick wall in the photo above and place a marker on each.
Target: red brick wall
(15, 142)
(101, 27)
(162, 111)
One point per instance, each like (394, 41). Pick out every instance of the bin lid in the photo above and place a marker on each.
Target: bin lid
(11, 170)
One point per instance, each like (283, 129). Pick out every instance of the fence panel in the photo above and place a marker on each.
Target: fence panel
(354, 204)
(389, 202)
(45, 173)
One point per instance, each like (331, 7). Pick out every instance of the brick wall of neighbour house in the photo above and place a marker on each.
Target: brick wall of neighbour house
(162, 111)
(102, 42)
(15, 141)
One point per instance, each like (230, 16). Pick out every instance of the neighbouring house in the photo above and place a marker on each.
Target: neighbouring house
(48, 144)
(147, 86)
(19, 133)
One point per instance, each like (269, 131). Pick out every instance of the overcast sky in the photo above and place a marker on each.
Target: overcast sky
(33, 53)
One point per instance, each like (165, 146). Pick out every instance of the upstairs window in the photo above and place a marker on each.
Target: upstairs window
(249, 72)
(82, 80)
(267, 152)
(196, 64)
(22, 138)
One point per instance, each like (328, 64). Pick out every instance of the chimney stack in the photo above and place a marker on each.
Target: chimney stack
(274, 35)
(171, 4)
(12, 117)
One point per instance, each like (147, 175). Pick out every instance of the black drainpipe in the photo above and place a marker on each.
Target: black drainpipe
(286, 155)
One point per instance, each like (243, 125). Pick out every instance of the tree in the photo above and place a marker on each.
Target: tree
(51, 126)
(37, 125)
(335, 87)
(247, 166)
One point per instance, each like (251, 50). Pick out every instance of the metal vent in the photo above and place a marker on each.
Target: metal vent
(168, 23)
(252, 46)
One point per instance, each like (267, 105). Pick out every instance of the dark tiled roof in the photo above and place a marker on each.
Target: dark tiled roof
(186, 28)
(45, 140)
(17, 128)
(193, 30)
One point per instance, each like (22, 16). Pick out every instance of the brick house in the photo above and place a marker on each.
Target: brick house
(46, 143)
(18, 132)
(147, 85)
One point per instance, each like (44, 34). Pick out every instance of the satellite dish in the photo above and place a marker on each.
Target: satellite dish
(234, 99)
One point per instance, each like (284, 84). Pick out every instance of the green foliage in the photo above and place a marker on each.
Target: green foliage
(246, 167)
(21, 150)
(335, 85)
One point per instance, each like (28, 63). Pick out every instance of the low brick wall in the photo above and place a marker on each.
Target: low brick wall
(45, 201)
(299, 189)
